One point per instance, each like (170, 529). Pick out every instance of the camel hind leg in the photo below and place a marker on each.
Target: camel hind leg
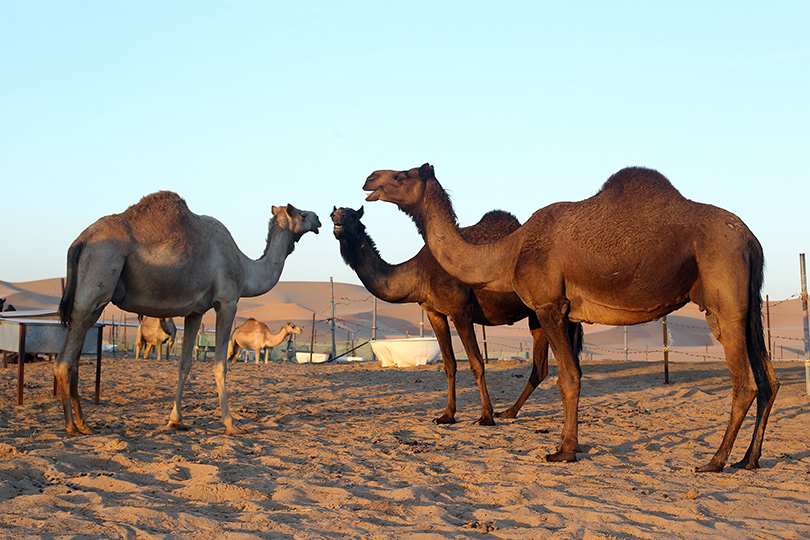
(66, 370)
(191, 326)
(464, 327)
(538, 374)
(94, 288)
(732, 336)
(540, 363)
(767, 387)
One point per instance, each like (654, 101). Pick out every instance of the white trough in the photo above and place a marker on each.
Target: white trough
(406, 352)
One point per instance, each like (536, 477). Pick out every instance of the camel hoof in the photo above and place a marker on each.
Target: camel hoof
(486, 421)
(85, 429)
(73, 432)
(745, 465)
(443, 419)
(179, 426)
(235, 430)
(561, 457)
(709, 467)
(508, 413)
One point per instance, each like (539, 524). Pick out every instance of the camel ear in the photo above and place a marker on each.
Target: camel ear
(426, 172)
(360, 212)
(290, 210)
(334, 209)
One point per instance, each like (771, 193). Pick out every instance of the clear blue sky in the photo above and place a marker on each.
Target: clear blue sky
(242, 105)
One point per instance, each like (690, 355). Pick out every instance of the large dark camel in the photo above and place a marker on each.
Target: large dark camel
(160, 259)
(422, 280)
(632, 253)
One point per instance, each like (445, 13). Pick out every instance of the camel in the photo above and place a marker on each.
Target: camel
(422, 280)
(160, 259)
(154, 332)
(632, 253)
(256, 336)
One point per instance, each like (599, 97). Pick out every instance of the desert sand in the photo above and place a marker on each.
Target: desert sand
(350, 451)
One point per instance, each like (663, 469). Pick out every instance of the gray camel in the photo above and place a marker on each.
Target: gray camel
(160, 259)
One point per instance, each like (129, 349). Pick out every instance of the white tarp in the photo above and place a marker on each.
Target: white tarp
(406, 352)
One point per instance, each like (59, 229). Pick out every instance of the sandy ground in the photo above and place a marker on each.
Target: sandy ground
(349, 451)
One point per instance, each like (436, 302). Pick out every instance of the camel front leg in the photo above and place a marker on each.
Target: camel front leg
(538, 374)
(464, 327)
(553, 318)
(442, 330)
(225, 316)
(191, 326)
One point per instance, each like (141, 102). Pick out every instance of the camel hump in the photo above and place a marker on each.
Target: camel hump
(157, 214)
(632, 182)
(492, 226)
(162, 205)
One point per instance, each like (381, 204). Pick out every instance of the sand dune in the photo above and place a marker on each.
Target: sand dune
(689, 336)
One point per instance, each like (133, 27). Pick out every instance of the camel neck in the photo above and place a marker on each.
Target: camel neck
(385, 281)
(479, 266)
(263, 274)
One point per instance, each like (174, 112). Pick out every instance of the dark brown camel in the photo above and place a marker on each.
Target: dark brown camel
(632, 253)
(422, 280)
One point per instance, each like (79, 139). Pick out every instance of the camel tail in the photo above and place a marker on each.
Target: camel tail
(68, 296)
(755, 335)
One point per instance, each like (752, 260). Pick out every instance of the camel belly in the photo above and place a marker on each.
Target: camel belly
(590, 312)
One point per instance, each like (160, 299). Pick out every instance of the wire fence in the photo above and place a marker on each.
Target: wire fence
(645, 341)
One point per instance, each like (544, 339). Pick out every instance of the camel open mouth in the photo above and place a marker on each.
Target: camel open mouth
(373, 196)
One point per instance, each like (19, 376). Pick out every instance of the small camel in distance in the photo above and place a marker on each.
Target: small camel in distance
(421, 280)
(154, 332)
(632, 253)
(160, 259)
(255, 336)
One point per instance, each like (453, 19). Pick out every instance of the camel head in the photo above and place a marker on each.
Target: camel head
(405, 189)
(297, 221)
(292, 329)
(347, 222)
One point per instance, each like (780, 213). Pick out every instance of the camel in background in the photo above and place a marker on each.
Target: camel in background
(256, 336)
(632, 253)
(160, 259)
(153, 332)
(423, 281)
